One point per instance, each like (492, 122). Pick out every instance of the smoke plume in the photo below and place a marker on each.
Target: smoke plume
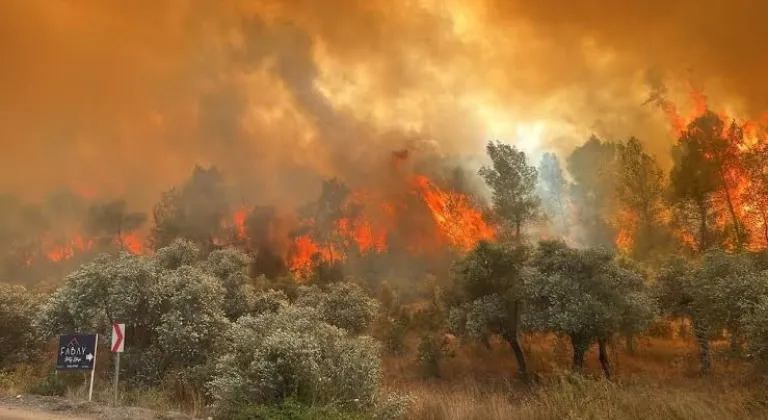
(123, 98)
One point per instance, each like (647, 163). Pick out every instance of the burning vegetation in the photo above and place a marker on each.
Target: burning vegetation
(611, 194)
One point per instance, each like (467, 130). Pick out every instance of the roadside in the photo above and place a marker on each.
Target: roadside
(32, 407)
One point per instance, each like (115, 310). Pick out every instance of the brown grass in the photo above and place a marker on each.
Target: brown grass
(659, 381)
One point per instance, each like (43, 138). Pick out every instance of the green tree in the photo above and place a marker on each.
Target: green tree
(490, 290)
(718, 293)
(641, 190)
(554, 187)
(19, 341)
(513, 184)
(593, 166)
(586, 295)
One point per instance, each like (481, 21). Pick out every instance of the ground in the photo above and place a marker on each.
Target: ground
(31, 407)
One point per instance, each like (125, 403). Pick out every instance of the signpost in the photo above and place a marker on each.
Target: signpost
(118, 343)
(78, 352)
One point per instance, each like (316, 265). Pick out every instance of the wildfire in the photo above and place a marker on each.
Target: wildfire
(457, 224)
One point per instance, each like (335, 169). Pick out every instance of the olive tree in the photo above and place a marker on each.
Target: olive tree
(173, 305)
(344, 305)
(293, 353)
(720, 292)
(18, 307)
(586, 295)
(490, 295)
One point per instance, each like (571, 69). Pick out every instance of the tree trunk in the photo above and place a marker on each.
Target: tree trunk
(602, 346)
(517, 233)
(704, 353)
(731, 208)
(735, 341)
(580, 346)
(522, 368)
(630, 343)
(704, 231)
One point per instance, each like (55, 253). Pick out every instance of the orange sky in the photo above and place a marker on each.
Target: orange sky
(125, 97)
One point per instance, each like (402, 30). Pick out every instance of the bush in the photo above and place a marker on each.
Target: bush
(756, 326)
(430, 356)
(18, 309)
(344, 305)
(294, 354)
(394, 339)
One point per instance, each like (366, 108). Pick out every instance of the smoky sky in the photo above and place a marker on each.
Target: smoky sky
(125, 97)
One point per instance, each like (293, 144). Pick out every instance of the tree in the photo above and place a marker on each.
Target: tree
(194, 212)
(110, 221)
(513, 184)
(231, 267)
(172, 308)
(294, 354)
(640, 190)
(705, 157)
(19, 341)
(593, 168)
(489, 283)
(344, 305)
(718, 293)
(554, 188)
(585, 295)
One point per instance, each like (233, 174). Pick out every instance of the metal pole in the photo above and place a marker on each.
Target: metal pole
(117, 375)
(93, 368)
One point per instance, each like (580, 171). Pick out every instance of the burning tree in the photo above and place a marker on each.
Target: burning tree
(640, 191)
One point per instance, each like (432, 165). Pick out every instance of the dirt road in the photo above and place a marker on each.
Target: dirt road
(20, 413)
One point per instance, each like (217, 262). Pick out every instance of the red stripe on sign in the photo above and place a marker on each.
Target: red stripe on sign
(116, 330)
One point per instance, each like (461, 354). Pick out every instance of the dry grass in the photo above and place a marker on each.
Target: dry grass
(579, 398)
(660, 381)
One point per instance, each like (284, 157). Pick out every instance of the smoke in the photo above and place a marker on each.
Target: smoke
(123, 98)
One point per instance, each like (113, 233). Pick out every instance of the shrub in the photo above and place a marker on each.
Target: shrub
(294, 354)
(344, 305)
(394, 338)
(756, 328)
(429, 356)
(18, 309)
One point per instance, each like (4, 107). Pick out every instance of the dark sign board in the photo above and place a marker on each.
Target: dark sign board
(76, 352)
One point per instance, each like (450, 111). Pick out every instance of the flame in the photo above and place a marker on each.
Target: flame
(457, 224)
(67, 249)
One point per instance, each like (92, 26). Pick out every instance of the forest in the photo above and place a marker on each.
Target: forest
(374, 303)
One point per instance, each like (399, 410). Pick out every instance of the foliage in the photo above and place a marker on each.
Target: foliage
(394, 338)
(293, 353)
(231, 266)
(585, 294)
(706, 152)
(513, 184)
(193, 212)
(640, 190)
(19, 342)
(756, 330)
(593, 166)
(491, 293)
(344, 305)
(554, 191)
(172, 306)
(430, 355)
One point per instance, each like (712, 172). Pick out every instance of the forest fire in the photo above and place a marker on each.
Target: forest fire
(457, 223)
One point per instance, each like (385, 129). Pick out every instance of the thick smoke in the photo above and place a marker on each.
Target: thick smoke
(123, 98)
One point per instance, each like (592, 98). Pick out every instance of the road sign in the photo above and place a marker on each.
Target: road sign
(118, 335)
(76, 352)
